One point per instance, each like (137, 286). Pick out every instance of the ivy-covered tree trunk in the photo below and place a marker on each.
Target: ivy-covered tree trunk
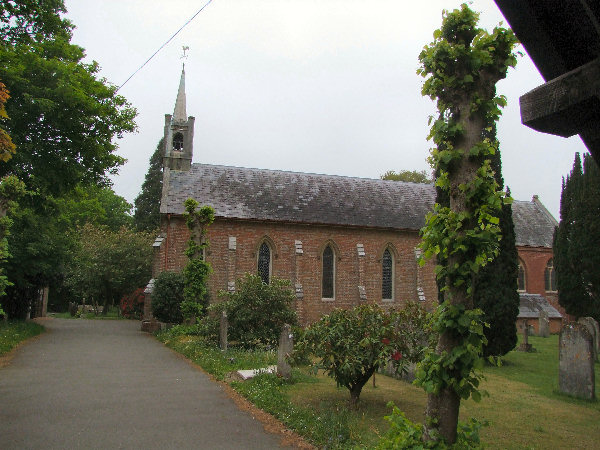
(462, 67)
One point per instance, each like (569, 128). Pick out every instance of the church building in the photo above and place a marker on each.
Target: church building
(341, 241)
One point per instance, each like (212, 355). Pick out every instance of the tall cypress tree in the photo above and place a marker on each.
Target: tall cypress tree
(576, 239)
(147, 203)
(495, 287)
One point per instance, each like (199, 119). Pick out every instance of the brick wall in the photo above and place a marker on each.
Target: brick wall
(296, 256)
(535, 260)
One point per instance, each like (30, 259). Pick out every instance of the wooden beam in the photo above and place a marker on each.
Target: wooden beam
(566, 105)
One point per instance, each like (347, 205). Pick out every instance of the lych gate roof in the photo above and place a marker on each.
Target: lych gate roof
(274, 195)
(530, 306)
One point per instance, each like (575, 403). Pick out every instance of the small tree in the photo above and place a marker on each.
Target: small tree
(197, 270)
(167, 297)
(352, 344)
(256, 311)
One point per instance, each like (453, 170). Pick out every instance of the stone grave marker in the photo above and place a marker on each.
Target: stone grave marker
(525, 345)
(592, 327)
(576, 361)
(223, 332)
(286, 346)
(544, 325)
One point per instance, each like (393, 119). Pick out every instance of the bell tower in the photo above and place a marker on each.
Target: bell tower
(179, 133)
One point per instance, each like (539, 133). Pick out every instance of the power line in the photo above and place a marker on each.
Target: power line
(161, 47)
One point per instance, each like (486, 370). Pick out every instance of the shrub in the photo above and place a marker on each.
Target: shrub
(167, 297)
(132, 305)
(353, 344)
(405, 434)
(256, 311)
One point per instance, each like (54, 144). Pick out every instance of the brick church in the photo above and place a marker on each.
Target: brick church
(341, 241)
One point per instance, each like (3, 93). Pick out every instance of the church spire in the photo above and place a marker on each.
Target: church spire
(179, 114)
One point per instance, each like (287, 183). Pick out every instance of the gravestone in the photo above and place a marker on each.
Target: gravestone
(286, 346)
(544, 324)
(223, 332)
(525, 345)
(576, 361)
(592, 327)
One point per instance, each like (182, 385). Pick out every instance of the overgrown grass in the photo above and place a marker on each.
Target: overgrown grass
(524, 408)
(12, 333)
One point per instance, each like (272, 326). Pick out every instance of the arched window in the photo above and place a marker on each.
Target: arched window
(387, 278)
(521, 280)
(328, 284)
(264, 262)
(550, 276)
(178, 142)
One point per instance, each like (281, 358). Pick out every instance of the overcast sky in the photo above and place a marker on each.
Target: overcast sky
(321, 86)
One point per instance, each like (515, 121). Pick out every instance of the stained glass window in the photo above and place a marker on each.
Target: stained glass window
(328, 272)
(387, 275)
(264, 263)
(550, 277)
(521, 277)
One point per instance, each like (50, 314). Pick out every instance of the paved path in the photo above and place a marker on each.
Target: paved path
(103, 384)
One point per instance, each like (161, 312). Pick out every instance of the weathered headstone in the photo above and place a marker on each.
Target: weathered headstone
(223, 332)
(525, 345)
(592, 326)
(544, 324)
(286, 346)
(576, 361)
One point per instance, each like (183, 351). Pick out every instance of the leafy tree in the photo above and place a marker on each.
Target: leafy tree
(105, 264)
(167, 297)
(352, 344)
(407, 175)
(63, 119)
(96, 205)
(147, 203)
(256, 311)
(32, 21)
(7, 148)
(577, 275)
(461, 66)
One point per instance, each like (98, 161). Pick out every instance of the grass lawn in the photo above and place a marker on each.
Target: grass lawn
(112, 313)
(12, 333)
(524, 409)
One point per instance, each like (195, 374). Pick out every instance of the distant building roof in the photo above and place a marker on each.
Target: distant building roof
(274, 195)
(530, 306)
(534, 225)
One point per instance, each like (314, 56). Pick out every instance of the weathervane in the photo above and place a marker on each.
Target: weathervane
(185, 49)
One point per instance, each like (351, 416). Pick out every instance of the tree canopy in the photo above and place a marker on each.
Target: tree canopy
(147, 203)
(407, 175)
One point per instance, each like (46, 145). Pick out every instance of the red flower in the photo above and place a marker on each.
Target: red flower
(397, 356)
(386, 341)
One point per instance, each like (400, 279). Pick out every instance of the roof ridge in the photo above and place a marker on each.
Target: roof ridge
(310, 173)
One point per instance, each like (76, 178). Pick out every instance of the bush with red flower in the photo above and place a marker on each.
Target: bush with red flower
(132, 305)
(352, 344)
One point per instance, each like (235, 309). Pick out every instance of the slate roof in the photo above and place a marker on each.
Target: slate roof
(274, 195)
(534, 225)
(530, 306)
